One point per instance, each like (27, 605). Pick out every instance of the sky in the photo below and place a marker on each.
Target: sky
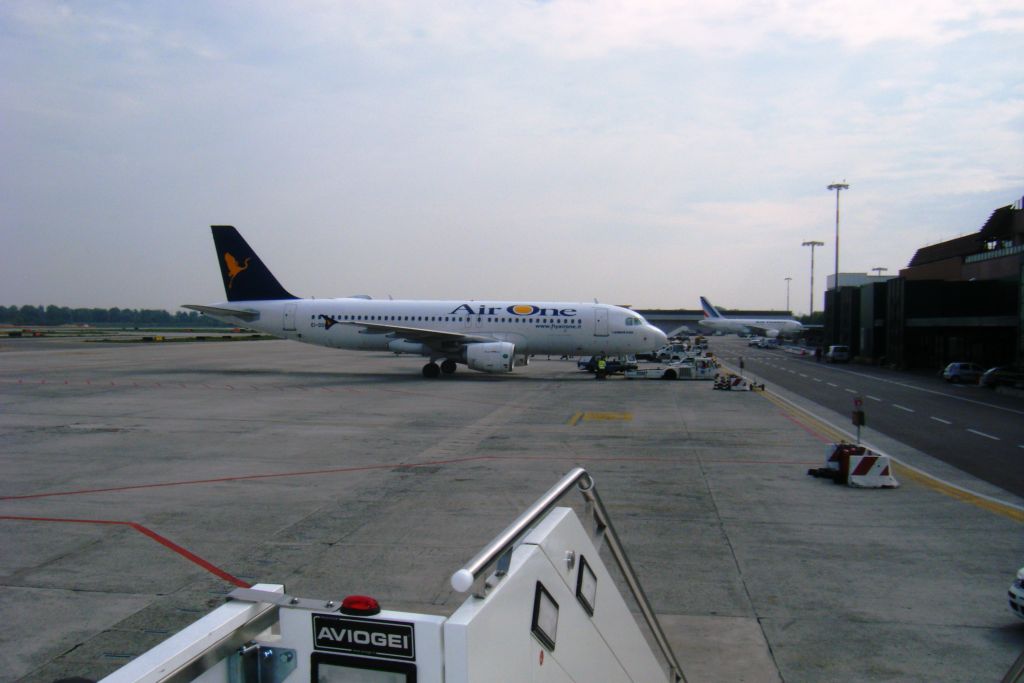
(639, 153)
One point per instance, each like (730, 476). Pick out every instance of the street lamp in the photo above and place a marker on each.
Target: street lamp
(838, 187)
(788, 280)
(812, 244)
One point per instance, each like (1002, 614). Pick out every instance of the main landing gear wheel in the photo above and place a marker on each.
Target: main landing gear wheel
(448, 366)
(431, 370)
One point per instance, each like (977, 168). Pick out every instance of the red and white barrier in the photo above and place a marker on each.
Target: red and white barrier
(854, 465)
(870, 472)
(837, 451)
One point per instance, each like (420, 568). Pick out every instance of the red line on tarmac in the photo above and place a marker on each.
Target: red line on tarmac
(166, 542)
(366, 468)
(815, 434)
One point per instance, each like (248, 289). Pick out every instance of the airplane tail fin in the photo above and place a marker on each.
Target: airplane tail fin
(245, 276)
(709, 310)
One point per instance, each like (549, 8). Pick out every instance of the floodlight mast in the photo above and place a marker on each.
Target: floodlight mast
(812, 244)
(838, 187)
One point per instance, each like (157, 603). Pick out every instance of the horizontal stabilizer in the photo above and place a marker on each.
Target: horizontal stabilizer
(247, 316)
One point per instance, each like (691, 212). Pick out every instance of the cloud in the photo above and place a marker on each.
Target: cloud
(427, 145)
(589, 29)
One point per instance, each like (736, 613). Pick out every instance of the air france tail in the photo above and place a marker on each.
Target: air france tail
(709, 310)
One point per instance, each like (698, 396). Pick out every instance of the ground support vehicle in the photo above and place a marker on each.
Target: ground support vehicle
(613, 364)
(703, 368)
(541, 606)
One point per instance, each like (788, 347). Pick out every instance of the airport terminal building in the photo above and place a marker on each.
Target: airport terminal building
(959, 300)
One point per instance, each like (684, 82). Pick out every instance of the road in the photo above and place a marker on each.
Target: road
(970, 427)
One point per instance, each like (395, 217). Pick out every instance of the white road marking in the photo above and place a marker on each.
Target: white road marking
(852, 391)
(816, 379)
(897, 405)
(939, 419)
(987, 436)
(803, 375)
(928, 391)
(831, 384)
(875, 398)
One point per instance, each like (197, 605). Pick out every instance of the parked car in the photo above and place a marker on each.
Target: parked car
(838, 354)
(1003, 376)
(963, 372)
(1017, 594)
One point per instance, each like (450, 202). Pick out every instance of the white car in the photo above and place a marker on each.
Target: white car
(838, 354)
(963, 372)
(1017, 594)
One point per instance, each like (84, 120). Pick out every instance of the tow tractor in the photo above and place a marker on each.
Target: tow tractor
(541, 606)
(702, 367)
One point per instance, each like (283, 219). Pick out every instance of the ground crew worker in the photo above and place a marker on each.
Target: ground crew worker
(602, 367)
(741, 365)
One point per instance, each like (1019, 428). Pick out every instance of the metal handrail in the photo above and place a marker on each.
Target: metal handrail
(463, 579)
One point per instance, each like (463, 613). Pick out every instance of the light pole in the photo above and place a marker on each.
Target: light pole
(838, 187)
(788, 280)
(879, 270)
(812, 244)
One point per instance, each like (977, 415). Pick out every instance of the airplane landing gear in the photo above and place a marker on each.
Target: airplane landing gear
(431, 370)
(448, 366)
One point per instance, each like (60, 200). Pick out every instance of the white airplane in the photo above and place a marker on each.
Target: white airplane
(771, 327)
(489, 336)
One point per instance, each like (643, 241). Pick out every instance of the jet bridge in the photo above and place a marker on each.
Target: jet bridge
(542, 606)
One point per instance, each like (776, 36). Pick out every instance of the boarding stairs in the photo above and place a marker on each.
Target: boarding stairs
(541, 606)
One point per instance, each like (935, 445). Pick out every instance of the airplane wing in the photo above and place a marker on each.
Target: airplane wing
(241, 314)
(432, 338)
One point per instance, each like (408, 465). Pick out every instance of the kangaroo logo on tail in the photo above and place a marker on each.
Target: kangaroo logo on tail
(233, 268)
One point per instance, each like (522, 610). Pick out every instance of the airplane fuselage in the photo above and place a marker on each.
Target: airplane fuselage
(488, 336)
(534, 328)
(747, 325)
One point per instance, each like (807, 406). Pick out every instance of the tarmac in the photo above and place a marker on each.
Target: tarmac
(142, 482)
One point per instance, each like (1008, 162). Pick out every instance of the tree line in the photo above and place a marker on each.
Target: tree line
(63, 315)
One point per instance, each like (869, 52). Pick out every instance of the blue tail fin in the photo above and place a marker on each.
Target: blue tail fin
(709, 310)
(245, 276)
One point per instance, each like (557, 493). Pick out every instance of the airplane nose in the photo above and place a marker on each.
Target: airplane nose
(660, 337)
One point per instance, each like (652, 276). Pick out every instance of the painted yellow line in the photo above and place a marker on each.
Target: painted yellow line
(818, 425)
(593, 416)
(952, 491)
(607, 417)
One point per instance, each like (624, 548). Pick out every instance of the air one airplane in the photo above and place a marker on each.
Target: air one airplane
(771, 328)
(489, 336)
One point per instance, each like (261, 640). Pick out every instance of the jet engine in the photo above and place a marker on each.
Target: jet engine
(771, 334)
(490, 356)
